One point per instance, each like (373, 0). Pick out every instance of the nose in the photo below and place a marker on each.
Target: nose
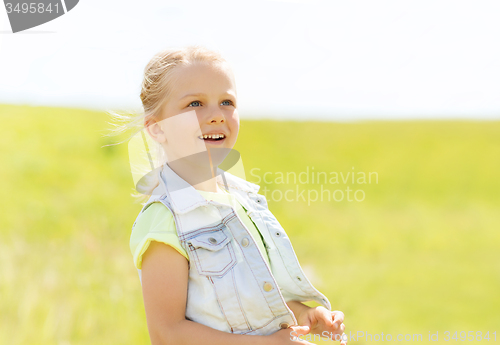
(216, 116)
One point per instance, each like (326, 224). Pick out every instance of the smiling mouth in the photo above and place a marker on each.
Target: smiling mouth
(212, 137)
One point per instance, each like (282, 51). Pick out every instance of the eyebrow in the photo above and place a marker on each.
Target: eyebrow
(202, 94)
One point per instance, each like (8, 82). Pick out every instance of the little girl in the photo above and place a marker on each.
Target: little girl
(216, 267)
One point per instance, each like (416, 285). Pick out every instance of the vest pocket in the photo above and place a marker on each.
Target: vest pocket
(212, 253)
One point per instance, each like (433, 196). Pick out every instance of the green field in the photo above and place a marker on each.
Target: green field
(420, 253)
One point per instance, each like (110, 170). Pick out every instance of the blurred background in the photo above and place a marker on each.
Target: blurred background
(407, 90)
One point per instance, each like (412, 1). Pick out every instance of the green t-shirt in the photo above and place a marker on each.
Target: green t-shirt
(156, 223)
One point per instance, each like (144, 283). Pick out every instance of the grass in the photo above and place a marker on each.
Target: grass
(419, 254)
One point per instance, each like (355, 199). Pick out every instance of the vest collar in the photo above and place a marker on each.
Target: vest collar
(183, 197)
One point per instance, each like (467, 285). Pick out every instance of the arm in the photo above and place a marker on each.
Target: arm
(299, 310)
(320, 320)
(164, 286)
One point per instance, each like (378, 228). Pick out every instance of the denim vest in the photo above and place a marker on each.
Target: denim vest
(231, 287)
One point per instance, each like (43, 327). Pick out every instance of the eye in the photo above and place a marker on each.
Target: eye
(194, 102)
(228, 100)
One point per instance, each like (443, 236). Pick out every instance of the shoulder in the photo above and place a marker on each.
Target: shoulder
(156, 217)
(155, 223)
(156, 212)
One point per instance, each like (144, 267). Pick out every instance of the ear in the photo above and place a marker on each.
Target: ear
(155, 131)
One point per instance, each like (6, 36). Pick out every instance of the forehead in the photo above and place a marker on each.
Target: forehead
(203, 78)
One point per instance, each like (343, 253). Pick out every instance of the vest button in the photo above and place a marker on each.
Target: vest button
(283, 325)
(245, 242)
(212, 240)
(267, 287)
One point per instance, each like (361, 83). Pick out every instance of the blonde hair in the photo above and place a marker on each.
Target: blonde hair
(156, 87)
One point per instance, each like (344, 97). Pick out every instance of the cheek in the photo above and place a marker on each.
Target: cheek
(234, 122)
(235, 128)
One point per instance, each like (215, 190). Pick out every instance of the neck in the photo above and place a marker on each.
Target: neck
(200, 176)
(208, 186)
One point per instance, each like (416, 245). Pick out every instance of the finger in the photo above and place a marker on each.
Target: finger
(300, 329)
(325, 316)
(342, 327)
(338, 315)
(338, 318)
(343, 339)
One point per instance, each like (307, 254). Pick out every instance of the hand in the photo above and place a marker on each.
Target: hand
(323, 322)
(290, 336)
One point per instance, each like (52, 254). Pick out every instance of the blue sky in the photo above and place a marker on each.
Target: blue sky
(336, 60)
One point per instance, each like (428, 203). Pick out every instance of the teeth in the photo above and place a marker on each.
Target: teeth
(212, 136)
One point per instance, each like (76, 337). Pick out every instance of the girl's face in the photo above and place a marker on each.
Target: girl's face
(202, 103)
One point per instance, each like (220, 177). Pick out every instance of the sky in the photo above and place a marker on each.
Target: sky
(292, 59)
